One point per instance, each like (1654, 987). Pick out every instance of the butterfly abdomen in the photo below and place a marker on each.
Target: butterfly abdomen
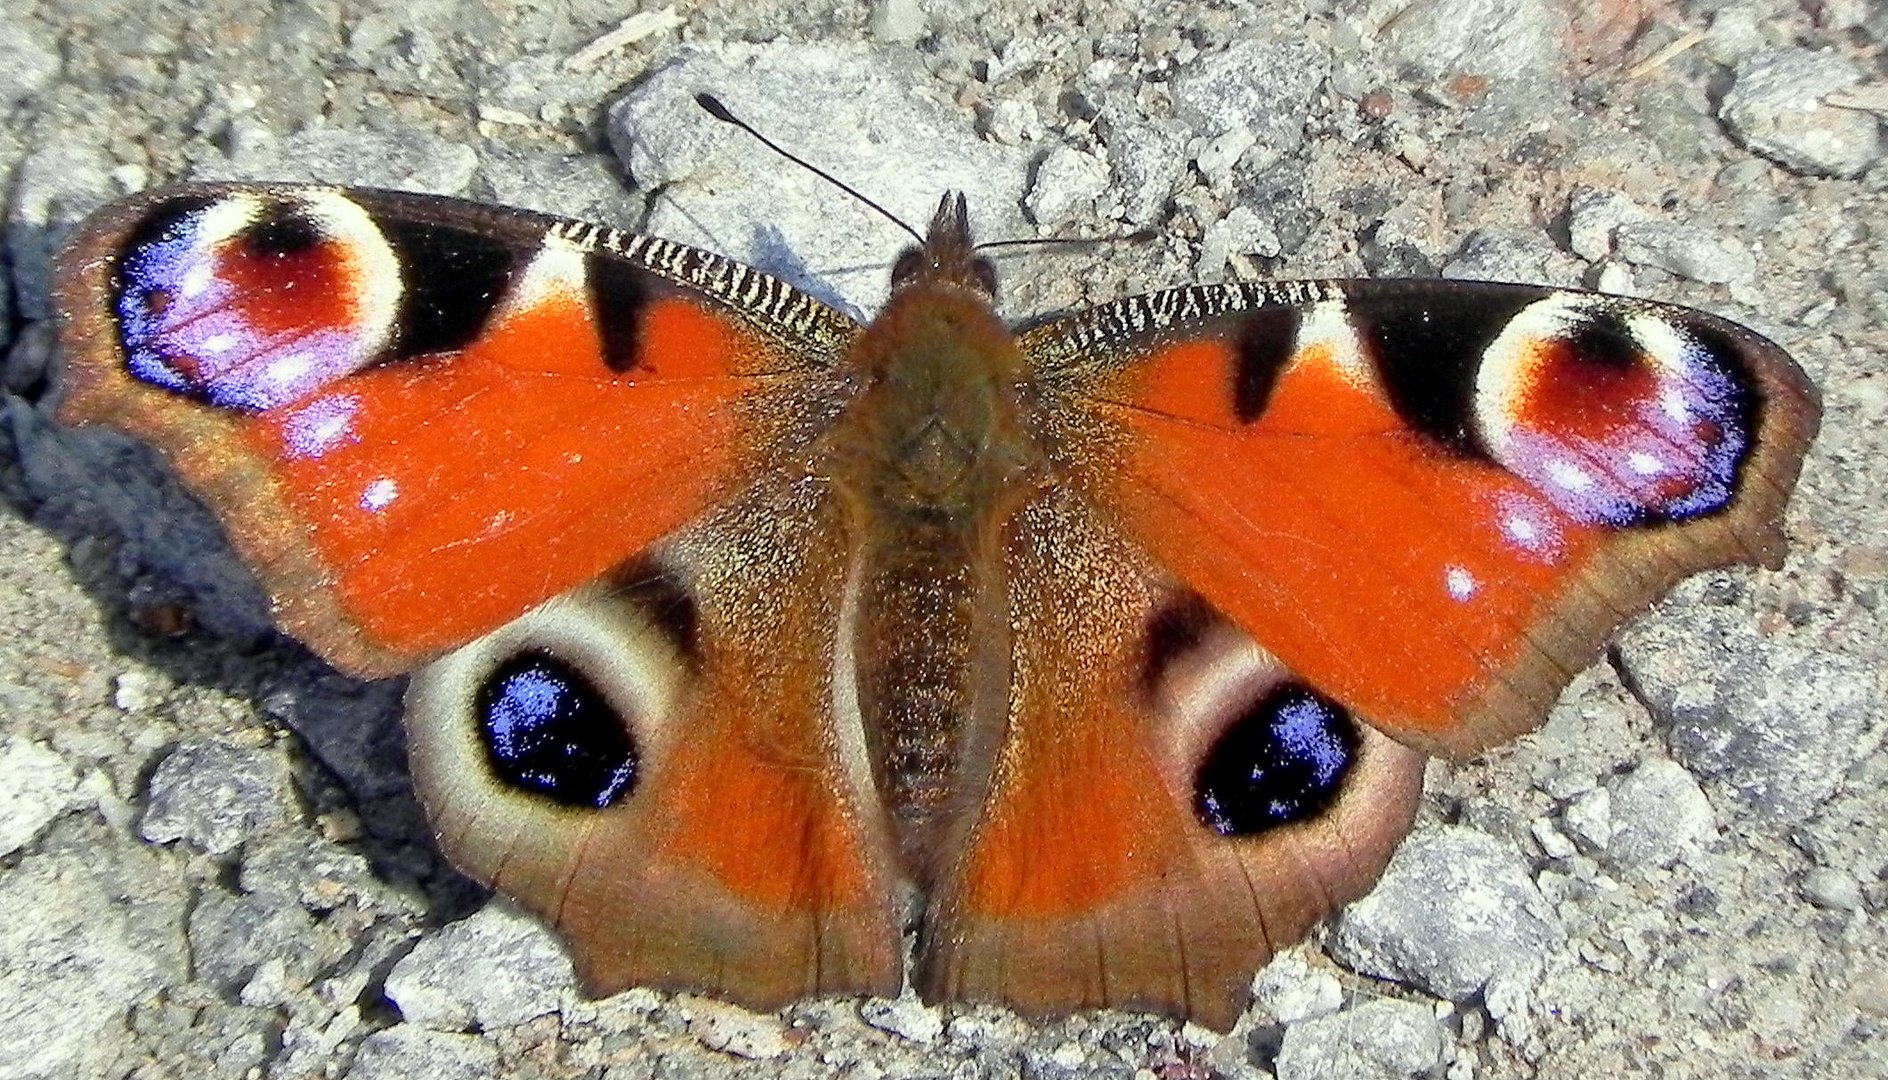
(931, 458)
(923, 639)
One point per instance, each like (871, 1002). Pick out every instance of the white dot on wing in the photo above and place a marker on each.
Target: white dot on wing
(379, 494)
(1460, 583)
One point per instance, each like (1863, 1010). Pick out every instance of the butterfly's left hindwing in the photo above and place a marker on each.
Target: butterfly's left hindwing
(420, 417)
(661, 765)
(1431, 500)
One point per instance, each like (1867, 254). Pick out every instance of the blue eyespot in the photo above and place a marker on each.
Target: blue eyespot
(1283, 761)
(548, 730)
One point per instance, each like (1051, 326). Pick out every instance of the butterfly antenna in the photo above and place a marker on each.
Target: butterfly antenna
(713, 107)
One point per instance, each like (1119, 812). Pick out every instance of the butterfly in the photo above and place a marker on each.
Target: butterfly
(1105, 653)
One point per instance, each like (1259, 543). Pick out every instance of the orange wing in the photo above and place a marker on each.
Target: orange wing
(1433, 501)
(416, 417)
(1421, 505)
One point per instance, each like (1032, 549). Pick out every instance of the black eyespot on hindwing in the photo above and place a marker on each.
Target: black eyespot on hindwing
(548, 730)
(1283, 760)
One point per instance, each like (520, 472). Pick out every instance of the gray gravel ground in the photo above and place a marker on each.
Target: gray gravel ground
(211, 864)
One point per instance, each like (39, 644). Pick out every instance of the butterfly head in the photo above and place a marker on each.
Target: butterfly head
(947, 256)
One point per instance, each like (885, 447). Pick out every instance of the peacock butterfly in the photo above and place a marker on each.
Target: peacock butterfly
(1105, 652)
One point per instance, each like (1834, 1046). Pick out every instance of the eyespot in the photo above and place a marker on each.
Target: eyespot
(547, 729)
(1283, 760)
(250, 302)
(1619, 414)
(563, 714)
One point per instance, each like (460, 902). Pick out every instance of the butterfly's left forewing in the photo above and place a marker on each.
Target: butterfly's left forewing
(419, 417)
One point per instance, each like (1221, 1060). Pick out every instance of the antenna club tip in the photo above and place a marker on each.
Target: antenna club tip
(713, 107)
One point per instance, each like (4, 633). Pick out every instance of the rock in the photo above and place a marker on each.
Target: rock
(1510, 998)
(734, 1030)
(1588, 819)
(353, 727)
(52, 190)
(36, 786)
(129, 495)
(1592, 216)
(313, 1040)
(1013, 122)
(23, 366)
(1065, 188)
(405, 158)
(215, 796)
(1775, 107)
(232, 936)
(898, 21)
(1733, 35)
(1406, 237)
(1233, 239)
(425, 47)
(581, 186)
(796, 225)
(1833, 889)
(1526, 256)
(1553, 843)
(1585, 739)
(73, 965)
(1454, 908)
(315, 873)
(1518, 46)
(496, 968)
(1688, 250)
(1384, 1039)
(1258, 94)
(27, 62)
(558, 87)
(404, 1052)
(137, 691)
(904, 1016)
(1147, 167)
(1615, 278)
(1773, 721)
(1659, 814)
(1291, 990)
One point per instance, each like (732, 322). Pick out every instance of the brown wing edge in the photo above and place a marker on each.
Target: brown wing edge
(1158, 952)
